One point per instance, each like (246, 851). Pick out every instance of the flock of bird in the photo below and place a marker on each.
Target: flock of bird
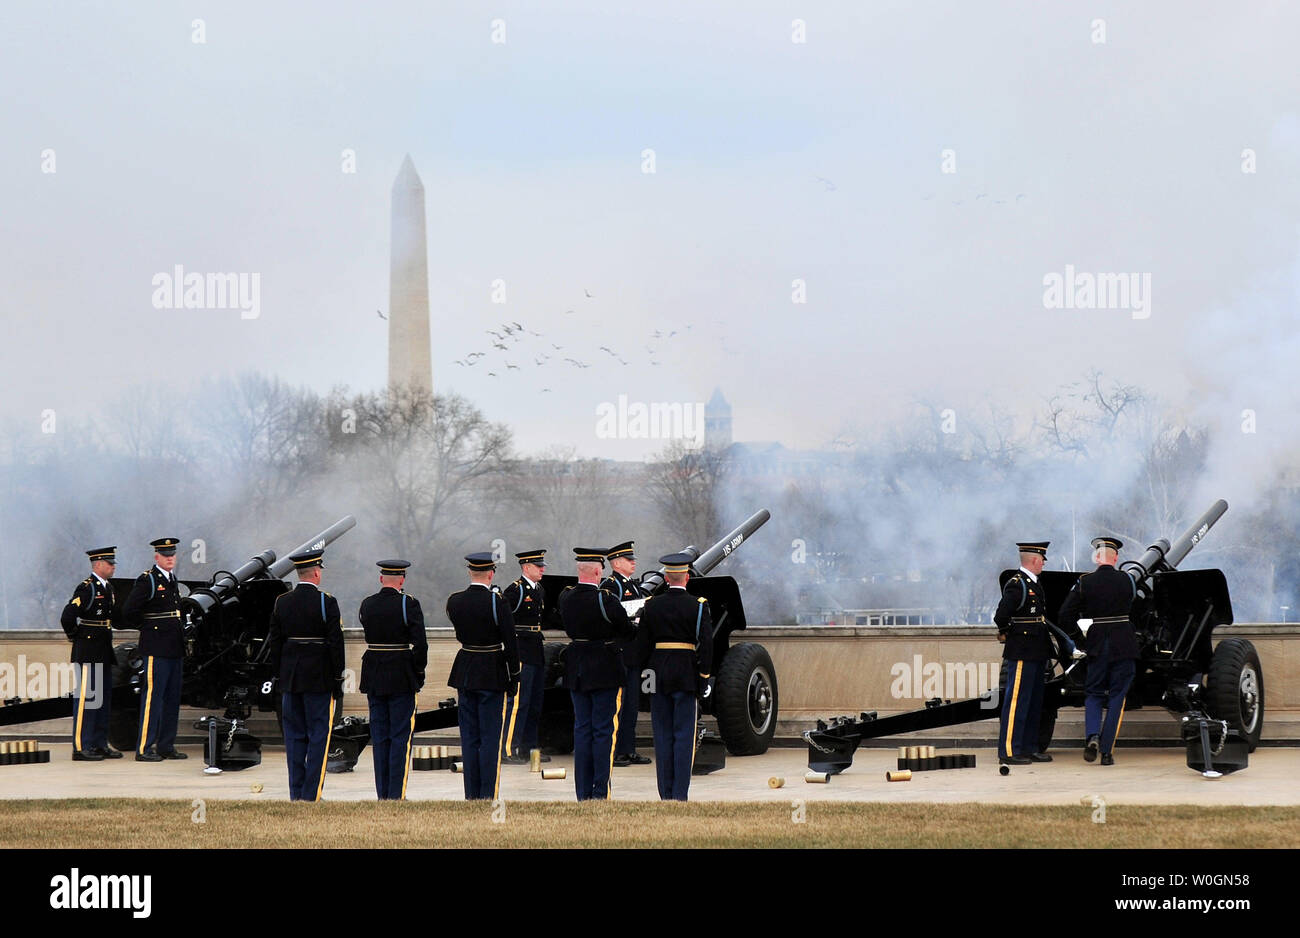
(511, 337)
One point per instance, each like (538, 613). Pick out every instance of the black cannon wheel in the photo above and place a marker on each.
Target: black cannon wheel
(746, 704)
(555, 727)
(1236, 688)
(124, 721)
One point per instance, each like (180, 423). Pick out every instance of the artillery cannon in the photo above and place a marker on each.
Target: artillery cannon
(1216, 691)
(225, 621)
(744, 701)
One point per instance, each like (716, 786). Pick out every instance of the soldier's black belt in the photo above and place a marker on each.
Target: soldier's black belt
(388, 648)
(593, 641)
(306, 641)
(1109, 620)
(528, 628)
(174, 614)
(497, 647)
(1027, 620)
(102, 623)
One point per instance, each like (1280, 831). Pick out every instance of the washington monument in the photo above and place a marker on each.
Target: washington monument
(409, 361)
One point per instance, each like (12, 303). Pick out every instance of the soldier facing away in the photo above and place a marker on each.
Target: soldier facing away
(675, 641)
(1106, 596)
(593, 672)
(392, 673)
(305, 642)
(486, 667)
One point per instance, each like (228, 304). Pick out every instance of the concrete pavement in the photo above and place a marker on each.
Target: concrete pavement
(1140, 776)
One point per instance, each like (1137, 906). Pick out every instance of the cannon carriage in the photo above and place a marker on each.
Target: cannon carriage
(1215, 691)
(226, 666)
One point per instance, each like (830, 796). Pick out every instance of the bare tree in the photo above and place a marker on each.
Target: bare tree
(427, 463)
(266, 435)
(565, 500)
(685, 486)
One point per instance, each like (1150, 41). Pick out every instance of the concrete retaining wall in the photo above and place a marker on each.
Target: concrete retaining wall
(822, 671)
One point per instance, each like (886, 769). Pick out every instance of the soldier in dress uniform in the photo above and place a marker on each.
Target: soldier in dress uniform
(527, 603)
(88, 621)
(486, 667)
(593, 672)
(392, 673)
(305, 646)
(1106, 596)
(1022, 627)
(622, 562)
(675, 641)
(154, 607)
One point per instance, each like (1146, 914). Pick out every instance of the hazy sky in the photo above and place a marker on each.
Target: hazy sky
(775, 160)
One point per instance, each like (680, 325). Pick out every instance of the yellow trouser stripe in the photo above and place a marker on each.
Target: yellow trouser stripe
(148, 704)
(1120, 723)
(695, 736)
(613, 741)
(81, 705)
(496, 787)
(514, 713)
(329, 731)
(410, 736)
(1011, 717)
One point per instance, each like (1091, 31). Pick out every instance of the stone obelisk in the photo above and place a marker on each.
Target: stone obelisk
(409, 361)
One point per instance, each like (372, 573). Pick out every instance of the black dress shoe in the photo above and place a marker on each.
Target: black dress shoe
(1015, 760)
(86, 755)
(1091, 748)
(514, 760)
(637, 759)
(148, 757)
(545, 758)
(622, 761)
(108, 752)
(173, 754)
(1039, 757)
(1107, 759)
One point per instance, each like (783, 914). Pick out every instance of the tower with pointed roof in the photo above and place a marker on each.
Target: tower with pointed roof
(717, 421)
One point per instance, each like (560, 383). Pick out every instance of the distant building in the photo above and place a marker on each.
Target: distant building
(717, 422)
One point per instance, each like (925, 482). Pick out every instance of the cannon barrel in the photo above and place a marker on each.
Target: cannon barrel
(265, 565)
(1165, 556)
(706, 561)
(322, 540)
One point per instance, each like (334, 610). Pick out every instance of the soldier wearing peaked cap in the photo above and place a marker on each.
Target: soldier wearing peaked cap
(1022, 626)
(1106, 596)
(154, 607)
(392, 673)
(675, 641)
(486, 666)
(594, 673)
(88, 621)
(622, 562)
(527, 604)
(305, 647)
